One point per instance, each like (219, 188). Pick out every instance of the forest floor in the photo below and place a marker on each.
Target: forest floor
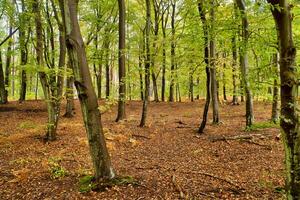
(167, 158)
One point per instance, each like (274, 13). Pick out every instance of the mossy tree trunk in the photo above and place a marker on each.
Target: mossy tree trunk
(289, 120)
(86, 93)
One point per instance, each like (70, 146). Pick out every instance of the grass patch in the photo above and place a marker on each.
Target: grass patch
(27, 125)
(262, 125)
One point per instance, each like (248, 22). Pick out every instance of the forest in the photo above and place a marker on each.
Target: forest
(149, 99)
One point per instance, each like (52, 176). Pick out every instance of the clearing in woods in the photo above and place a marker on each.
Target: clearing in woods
(167, 158)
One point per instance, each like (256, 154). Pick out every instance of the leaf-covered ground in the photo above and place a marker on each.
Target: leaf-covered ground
(167, 158)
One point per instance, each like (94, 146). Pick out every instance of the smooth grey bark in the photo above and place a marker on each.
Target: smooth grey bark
(244, 63)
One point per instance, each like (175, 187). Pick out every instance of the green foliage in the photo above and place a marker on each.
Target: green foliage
(86, 184)
(55, 168)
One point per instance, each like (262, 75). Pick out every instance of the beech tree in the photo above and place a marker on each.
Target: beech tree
(244, 62)
(289, 120)
(147, 64)
(87, 96)
(122, 70)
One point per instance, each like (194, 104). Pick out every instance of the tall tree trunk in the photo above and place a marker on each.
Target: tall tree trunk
(3, 96)
(191, 85)
(147, 64)
(234, 71)
(173, 54)
(244, 63)
(276, 95)
(289, 107)
(24, 53)
(212, 46)
(156, 8)
(164, 21)
(107, 75)
(141, 75)
(69, 95)
(86, 93)
(8, 61)
(51, 128)
(122, 69)
(206, 59)
(224, 78)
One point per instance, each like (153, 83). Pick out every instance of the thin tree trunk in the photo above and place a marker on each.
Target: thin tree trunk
(3, 96)
(164, 21)
(86, 93)
(244, 63)
(69, 95)
(207, 69)
(276, 95)
(122, 69)
(8, 62)
(173, 54)
(214, 86)
(147, 64)
(24, 53)
(234, 71)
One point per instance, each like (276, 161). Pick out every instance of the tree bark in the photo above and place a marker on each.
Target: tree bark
(289, 120)
(3, 95)
(244, 63)
(122, 70)
(276, 95)
(164, 21)
(173, 53)
(234, 71)
(147, 64)
(212, 60)
(86, 93)
(24, 53)
(207, 69)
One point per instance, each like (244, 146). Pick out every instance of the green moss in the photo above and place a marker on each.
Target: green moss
(87, 183)
(262, 125)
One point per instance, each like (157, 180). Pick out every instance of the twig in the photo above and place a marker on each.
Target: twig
(141, 136)
(219, 178)
(238, 137)
(207, 195)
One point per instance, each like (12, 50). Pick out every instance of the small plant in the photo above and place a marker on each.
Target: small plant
(56, 170)
(86, 184)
